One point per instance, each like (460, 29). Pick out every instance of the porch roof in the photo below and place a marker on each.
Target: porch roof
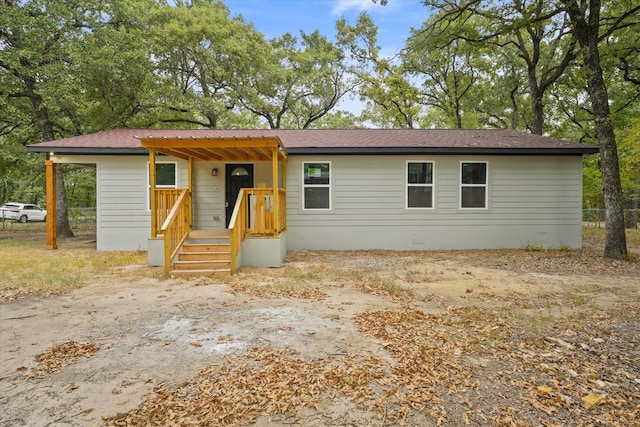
(248, 148)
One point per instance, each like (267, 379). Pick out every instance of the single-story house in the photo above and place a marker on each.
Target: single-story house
(270, 191)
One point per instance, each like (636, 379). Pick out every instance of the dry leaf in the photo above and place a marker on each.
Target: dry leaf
(590, 400)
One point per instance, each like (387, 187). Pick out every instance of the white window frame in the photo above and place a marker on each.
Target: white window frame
(329, 186)
(485, 185)
(432, 185)
(175, 180)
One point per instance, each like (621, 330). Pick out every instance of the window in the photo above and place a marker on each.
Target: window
(166, 177)
(316, 192)
(419, 185)
(473, 185)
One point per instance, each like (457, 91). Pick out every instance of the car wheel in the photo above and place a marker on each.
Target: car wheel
(23, 219)
(44, 219)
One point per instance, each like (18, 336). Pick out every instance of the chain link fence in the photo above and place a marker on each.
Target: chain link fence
(82, 218)
(594, 218)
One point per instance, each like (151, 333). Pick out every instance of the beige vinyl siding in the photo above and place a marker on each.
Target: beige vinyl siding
(123, 220)
(208, 196)
(122, 207)
(531, 200)
(209, 192)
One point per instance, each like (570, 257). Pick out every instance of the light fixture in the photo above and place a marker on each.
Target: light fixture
(214, 172)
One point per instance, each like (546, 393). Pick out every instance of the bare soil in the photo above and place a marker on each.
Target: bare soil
(502, 338)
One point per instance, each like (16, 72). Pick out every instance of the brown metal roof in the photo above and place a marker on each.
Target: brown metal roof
(325, 141)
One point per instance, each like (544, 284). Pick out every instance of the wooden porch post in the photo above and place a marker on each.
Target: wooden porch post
(284, 173)
(190, 195)
(152, 192)
(276, 203)
(52, 231)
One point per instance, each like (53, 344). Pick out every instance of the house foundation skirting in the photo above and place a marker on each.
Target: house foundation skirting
(156, 252)
(263, 251)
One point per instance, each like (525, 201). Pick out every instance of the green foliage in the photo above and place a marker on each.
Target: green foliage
(21, 174)
(392, 100)
(294, 82)
(629, 155)
(592, 197)
(200, 56)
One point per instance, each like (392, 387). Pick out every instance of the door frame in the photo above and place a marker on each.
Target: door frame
(230, 199)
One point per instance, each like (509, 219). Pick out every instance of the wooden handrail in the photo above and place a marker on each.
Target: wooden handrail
(165, 200)
(176, 228)
(254, 213)
(237, 228)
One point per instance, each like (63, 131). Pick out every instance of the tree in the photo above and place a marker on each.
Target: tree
(201, 56)
(115, 73)
(536, 30)
(37, 39)
(391, 99)
(293, 83)
(630, 170)
(447, 68)
(64, 72)
(586, 23)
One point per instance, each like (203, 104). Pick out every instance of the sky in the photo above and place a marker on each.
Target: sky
(276, 17)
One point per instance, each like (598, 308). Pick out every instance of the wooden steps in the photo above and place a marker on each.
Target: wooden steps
(204, 254)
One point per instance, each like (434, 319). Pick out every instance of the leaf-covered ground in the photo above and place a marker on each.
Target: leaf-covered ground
(454, 338)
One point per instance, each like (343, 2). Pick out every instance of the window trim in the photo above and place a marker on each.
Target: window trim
(329, 186)
(432, 185)
(175, 180)
(485, 186)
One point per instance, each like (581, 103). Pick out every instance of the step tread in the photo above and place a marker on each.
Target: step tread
(206, 244)
(225, 271)
(209, 270)
(202, 261)
(208, 252)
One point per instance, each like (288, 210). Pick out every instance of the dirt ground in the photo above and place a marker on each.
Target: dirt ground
(502, 338)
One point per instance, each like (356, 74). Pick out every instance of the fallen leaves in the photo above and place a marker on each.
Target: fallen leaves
(235, 393)
(269, 287)
(592, 399)
(518, 357)
(61, 355)
(570, 376)
(421, 372)
(409, 385)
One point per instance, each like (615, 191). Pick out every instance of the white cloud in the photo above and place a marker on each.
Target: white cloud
(342, 6)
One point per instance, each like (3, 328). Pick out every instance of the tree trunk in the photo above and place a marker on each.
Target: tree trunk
(514, 108)
(63, 228)
(47, 134)
(586, 32)
(538, 115)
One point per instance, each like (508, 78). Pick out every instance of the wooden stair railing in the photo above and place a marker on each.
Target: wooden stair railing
(166, 199)
(254, 213)
(237, 228)
(176, 229)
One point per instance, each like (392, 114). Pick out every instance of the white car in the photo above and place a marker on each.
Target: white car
(22, 212)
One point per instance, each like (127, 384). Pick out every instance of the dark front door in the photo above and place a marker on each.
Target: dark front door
(237, 177)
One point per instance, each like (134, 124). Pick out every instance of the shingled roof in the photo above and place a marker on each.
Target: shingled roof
(333, 141)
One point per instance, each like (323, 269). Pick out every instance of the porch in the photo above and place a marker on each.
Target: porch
(255, 233)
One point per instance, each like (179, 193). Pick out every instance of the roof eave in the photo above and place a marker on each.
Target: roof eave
(510, 151)
(108, 151)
